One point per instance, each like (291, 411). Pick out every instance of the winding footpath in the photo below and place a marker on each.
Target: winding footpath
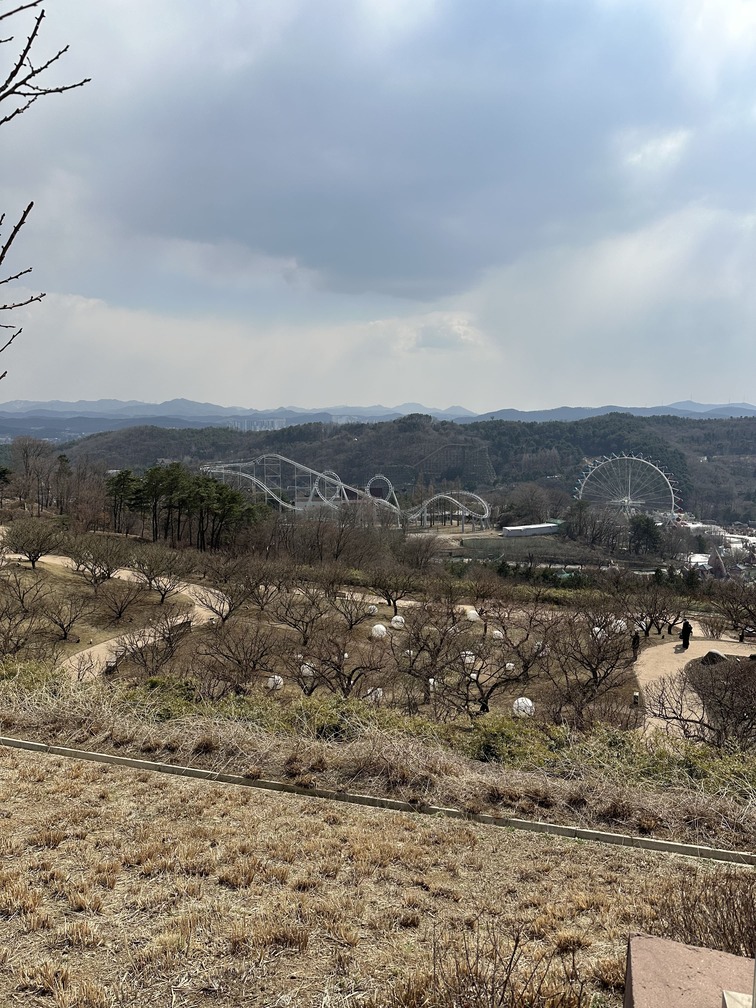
(658, 660)
(92, 661)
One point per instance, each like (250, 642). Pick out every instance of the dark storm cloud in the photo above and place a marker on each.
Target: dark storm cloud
(493, 202)
(404, 166)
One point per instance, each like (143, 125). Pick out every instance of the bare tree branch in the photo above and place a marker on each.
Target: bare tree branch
(22, 85)
(25, 82)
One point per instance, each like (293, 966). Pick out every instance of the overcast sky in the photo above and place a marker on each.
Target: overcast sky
(496, 203)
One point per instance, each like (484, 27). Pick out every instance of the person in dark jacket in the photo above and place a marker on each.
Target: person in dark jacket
(635, 643)
(685, 634)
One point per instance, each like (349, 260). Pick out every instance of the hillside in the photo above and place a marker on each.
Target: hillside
(122, 886)
(712, 460)
(248, 898)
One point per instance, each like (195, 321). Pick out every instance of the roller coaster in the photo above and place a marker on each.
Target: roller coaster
(290, 486)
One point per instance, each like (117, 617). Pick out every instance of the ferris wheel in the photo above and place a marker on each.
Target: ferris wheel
(629, 483)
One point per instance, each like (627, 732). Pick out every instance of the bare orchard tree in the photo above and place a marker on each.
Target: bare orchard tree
(23, 627)
(478, 674)
(522, 632)
(336, 662)
(647, 603)
(427, 649)
(589, 657)
(266, 581)
(26, 77)
(98, 557)
(351, 608)
(235, 583)
(33, 538)
(393, 582)
(29, 589)
(235, 656)
(64, 611)
(151, 648)
(117, 596)
(162, 569)
(707, 702)
(487, 592)
(301, 609)
(734, 601)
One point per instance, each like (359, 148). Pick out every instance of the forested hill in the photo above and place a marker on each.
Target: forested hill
(417, 450)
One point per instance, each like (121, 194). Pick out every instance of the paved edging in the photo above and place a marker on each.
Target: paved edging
(529, 825)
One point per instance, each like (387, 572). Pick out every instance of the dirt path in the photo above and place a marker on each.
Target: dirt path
(658, 660)
(92, 661)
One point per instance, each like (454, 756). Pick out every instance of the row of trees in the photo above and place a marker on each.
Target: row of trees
(268, 632)
(171, 503)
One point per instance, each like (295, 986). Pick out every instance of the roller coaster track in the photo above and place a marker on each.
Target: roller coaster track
(291, 486)
(476, 510)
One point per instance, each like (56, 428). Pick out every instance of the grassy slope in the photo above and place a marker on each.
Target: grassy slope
(220, 896)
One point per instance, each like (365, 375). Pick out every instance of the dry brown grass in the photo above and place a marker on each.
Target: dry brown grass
(90, 716)
(151, 890)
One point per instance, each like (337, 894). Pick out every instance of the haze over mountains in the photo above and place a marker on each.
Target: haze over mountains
(60, 420)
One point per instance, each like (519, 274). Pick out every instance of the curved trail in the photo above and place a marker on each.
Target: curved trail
(92, 661)
(655, 661)
(667, 658)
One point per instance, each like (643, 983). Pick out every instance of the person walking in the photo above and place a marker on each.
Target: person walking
(685, 634)
(635, 643)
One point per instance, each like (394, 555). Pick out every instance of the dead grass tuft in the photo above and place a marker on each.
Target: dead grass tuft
(45, 977)
(609, 972)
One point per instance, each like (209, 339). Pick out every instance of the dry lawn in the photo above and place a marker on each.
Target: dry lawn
(125, 888)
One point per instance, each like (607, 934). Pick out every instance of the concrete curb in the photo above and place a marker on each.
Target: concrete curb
(528, 825)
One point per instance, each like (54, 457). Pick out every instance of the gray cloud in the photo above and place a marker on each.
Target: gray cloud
(312, 170)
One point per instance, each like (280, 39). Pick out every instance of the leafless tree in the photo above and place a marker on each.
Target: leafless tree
(162, 569)
(29, 590)
(486, 591)
(152, 647)
(233, 656)
(589, 656)
(712, 703)
(418, 550)
(65, 611)
(429, 646)
(117, 596)
(23, 630)
(478, 674)
(522, 631)
(234, 583)
(336, 662)
(98, 557)
(735, 601)
(26, 79)
(647, 604)
(301, 609)
(393, 582)
(33, 538)
(351, 607)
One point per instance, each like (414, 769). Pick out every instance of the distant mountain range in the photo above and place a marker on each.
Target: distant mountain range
(188, 409)
(699, 411)
(61, 421)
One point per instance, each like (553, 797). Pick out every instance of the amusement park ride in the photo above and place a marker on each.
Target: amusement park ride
(631, 484)
(626, 483)
(291, 486)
